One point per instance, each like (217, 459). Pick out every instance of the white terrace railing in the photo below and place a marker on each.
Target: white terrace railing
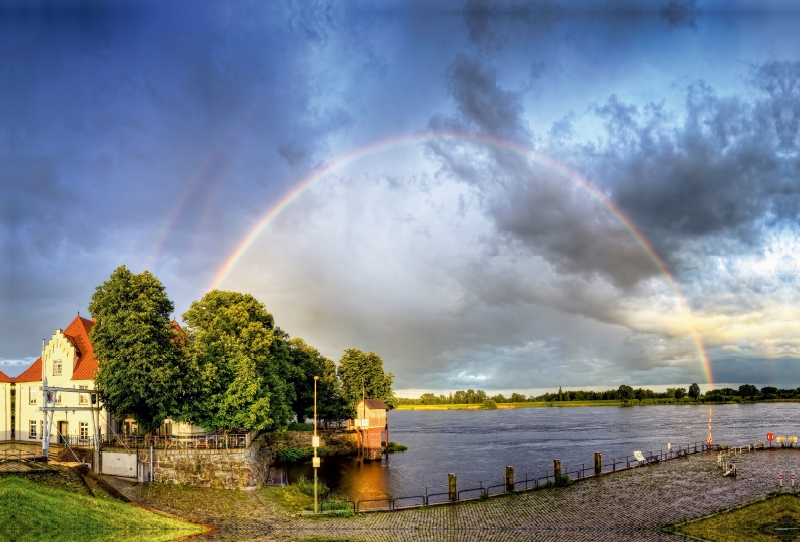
(239, 439)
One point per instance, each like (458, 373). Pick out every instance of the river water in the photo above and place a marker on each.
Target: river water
(478, 444)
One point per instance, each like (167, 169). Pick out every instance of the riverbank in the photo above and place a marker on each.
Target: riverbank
(614, 403)
(635, 504)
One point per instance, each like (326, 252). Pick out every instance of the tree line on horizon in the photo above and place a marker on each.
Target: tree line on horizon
(230, 367)
(623, 393)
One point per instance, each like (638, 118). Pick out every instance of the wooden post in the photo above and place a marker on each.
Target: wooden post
(452, 487)
(509, 478)
(598, 463)
(556, 467)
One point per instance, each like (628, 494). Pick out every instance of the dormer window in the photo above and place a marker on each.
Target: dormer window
(57, 367)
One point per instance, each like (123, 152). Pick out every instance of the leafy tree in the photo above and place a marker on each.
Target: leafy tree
(308, 363)
(625, 392)
(694, 391)
(141, 368)
(748, 390)
(357, 367)
(680, 393)
(241, 362)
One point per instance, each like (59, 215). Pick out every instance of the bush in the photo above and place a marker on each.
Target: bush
(395, 447)
(301, 427)
(489, 404)
(306, 486)
(563, 480)
(290, 454)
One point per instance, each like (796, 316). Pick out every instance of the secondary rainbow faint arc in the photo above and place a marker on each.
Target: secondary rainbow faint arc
(421, 137)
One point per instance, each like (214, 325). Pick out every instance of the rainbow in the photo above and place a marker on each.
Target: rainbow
(488, 141)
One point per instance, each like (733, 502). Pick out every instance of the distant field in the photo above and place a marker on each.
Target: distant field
(39, 512)
(514, 405)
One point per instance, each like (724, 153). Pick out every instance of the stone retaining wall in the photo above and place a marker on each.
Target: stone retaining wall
(239, 468)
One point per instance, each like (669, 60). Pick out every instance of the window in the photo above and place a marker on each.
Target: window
(57, 367)
(32, 433)
(33, 393)
(84, 428)
(84, 397)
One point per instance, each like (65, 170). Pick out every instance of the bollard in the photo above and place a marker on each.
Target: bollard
(792, 479)
(598, 463)
(780, 480)
(510, 478)
(556, 467)
(452, 493)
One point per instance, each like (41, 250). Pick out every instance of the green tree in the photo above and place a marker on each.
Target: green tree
(308, 363)
(141, 367)
(748, 390)
(680, 393)
(357, 367)
(625, 393)
(694, 391)
(242, 364)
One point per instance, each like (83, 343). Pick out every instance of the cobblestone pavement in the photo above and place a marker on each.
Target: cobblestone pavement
(633, 504)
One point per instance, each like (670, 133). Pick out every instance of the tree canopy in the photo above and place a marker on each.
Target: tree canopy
(243, 362)
(308, 363)
(141, 369)
(357, 368)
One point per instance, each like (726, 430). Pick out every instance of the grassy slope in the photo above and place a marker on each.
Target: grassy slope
(751, 523)
(49, 513)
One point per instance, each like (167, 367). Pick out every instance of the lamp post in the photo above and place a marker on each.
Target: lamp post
(315, 445)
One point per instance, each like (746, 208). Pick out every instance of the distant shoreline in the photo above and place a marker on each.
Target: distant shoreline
(575, 404)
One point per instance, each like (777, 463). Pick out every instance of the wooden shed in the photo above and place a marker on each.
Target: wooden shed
(371, 423)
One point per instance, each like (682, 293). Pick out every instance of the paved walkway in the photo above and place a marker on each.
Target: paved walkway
(633, 504)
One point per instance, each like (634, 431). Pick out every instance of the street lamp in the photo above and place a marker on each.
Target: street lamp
(315, 445)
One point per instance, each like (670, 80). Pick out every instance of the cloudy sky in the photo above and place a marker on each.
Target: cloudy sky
(500, 195)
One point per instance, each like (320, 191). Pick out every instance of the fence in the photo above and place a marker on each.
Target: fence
(205, 441)
(526, 481)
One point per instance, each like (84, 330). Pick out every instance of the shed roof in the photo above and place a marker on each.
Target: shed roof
(375, 404)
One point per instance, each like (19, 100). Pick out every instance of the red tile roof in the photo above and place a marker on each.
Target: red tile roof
(32, 373)
(5, 378)
(78, 333)
(85, 365)
(375, 404)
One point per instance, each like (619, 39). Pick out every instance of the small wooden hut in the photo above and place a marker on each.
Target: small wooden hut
(371, 423)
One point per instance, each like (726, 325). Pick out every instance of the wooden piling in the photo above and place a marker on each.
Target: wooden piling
(510, 478)
(598, 463)
(556, 467)
(452, 487)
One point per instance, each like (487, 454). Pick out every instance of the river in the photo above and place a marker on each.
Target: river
(478, 444)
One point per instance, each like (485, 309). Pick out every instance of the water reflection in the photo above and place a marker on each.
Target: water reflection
(358, 480)
(477, 445)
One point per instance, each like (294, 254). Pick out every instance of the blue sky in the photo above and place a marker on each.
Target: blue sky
(157, 134)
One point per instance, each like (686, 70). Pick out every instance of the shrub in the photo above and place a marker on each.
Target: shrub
(301, 427)
(306, 486)
(563, 480)
(290, 454)
(395, 447)
(489, 404)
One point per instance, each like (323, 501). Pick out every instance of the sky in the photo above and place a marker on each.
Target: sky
(491, 195)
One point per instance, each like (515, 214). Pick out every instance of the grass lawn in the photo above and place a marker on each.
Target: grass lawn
(775, 518)
(32, 511)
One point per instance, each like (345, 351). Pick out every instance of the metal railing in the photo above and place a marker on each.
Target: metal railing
(206, 441)
(527, 481)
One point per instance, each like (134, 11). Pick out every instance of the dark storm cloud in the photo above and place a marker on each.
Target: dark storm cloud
(717, 169)
(482, 103)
